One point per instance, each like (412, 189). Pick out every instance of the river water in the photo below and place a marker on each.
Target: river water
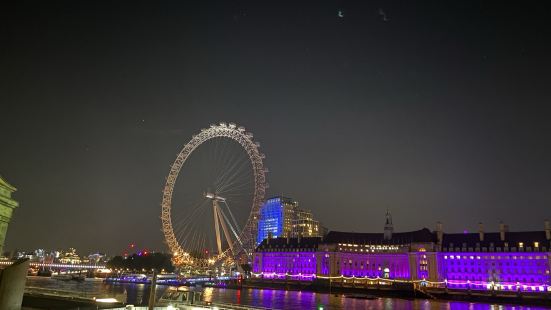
(138, 294)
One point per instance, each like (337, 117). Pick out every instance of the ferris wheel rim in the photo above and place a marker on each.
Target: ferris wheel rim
(245, 139)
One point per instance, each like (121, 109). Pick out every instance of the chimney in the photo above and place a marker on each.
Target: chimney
(439, 232)
(501, 231)
(481, 231)
(547, 230)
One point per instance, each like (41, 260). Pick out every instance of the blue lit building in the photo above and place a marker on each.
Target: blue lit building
(281, 217)
(276, 218)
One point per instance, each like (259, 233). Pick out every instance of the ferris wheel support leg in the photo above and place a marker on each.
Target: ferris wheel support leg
(226, 231)
(216, 226)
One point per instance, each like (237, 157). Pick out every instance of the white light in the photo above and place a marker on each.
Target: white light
(106, 300)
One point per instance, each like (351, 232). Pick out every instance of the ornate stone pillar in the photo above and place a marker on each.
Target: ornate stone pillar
(7, 204)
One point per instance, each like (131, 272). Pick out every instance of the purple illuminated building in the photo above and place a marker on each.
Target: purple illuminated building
(513, 261)
(293, 258)
(406, 255)
(497, 261)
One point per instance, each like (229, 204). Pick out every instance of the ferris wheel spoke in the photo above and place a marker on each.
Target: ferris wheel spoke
(197, 204)
(227, 171)
(232, 161)
(190, 216)
(223, 158)
(231, 214)
(227, 187)
(239, 167)
(236, 185)
(190, 240)
(189, 224)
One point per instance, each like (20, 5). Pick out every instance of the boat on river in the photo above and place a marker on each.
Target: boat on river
(181, 296)
(69, 277)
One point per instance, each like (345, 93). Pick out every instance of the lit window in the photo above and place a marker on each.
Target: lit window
(521, 244)
(536, 244)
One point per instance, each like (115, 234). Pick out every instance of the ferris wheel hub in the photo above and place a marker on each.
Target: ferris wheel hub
(213, 196)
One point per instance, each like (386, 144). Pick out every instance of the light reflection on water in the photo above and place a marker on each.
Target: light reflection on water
(138, 294)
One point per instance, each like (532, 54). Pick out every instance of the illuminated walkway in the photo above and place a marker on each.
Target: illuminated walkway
(66, 266)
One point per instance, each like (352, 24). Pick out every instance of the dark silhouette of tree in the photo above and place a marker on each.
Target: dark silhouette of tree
(139, 263)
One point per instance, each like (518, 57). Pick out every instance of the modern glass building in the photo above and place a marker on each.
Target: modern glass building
(282, 217)
(276, 218)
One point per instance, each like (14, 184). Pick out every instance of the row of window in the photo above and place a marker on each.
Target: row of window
(498, 271)
(506, 279)
(492, 264)
(495, 257)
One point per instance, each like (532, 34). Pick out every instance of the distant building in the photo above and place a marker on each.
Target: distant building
(282, 217)
(305, 225)
(496, 261)
(7, 205)
(95, 258)
(70, 257)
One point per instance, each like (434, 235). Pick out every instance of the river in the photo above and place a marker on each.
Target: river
(138, 294)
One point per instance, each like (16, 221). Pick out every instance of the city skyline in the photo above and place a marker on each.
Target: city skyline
(436, 113)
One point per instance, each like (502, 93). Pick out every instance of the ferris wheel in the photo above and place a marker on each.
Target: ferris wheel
(212, 196)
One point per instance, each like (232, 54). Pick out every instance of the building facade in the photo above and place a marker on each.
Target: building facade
(7, 205)
(404, 256)
(282, 217)
(496, 261)
(276, 218)
(305, 225)
(279, 258)
(508, 261)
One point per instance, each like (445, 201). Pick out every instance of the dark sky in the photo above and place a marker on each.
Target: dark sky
(436, 111)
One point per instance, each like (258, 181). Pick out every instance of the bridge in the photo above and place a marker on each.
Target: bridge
(53, 265)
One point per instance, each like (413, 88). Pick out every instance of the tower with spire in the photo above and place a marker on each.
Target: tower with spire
(388, 226)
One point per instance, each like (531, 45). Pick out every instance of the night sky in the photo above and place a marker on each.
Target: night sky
(435, 111)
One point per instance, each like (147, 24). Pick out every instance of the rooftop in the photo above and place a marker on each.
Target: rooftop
(282, 242)
(422, 235)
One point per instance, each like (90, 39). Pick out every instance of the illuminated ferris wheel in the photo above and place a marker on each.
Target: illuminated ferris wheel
(212, 196)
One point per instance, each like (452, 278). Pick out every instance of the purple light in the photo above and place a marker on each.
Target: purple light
(282, 265)
(511, 271)
(496, 271)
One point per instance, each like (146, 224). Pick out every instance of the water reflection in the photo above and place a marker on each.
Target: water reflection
(207, 294)
(138, 294)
